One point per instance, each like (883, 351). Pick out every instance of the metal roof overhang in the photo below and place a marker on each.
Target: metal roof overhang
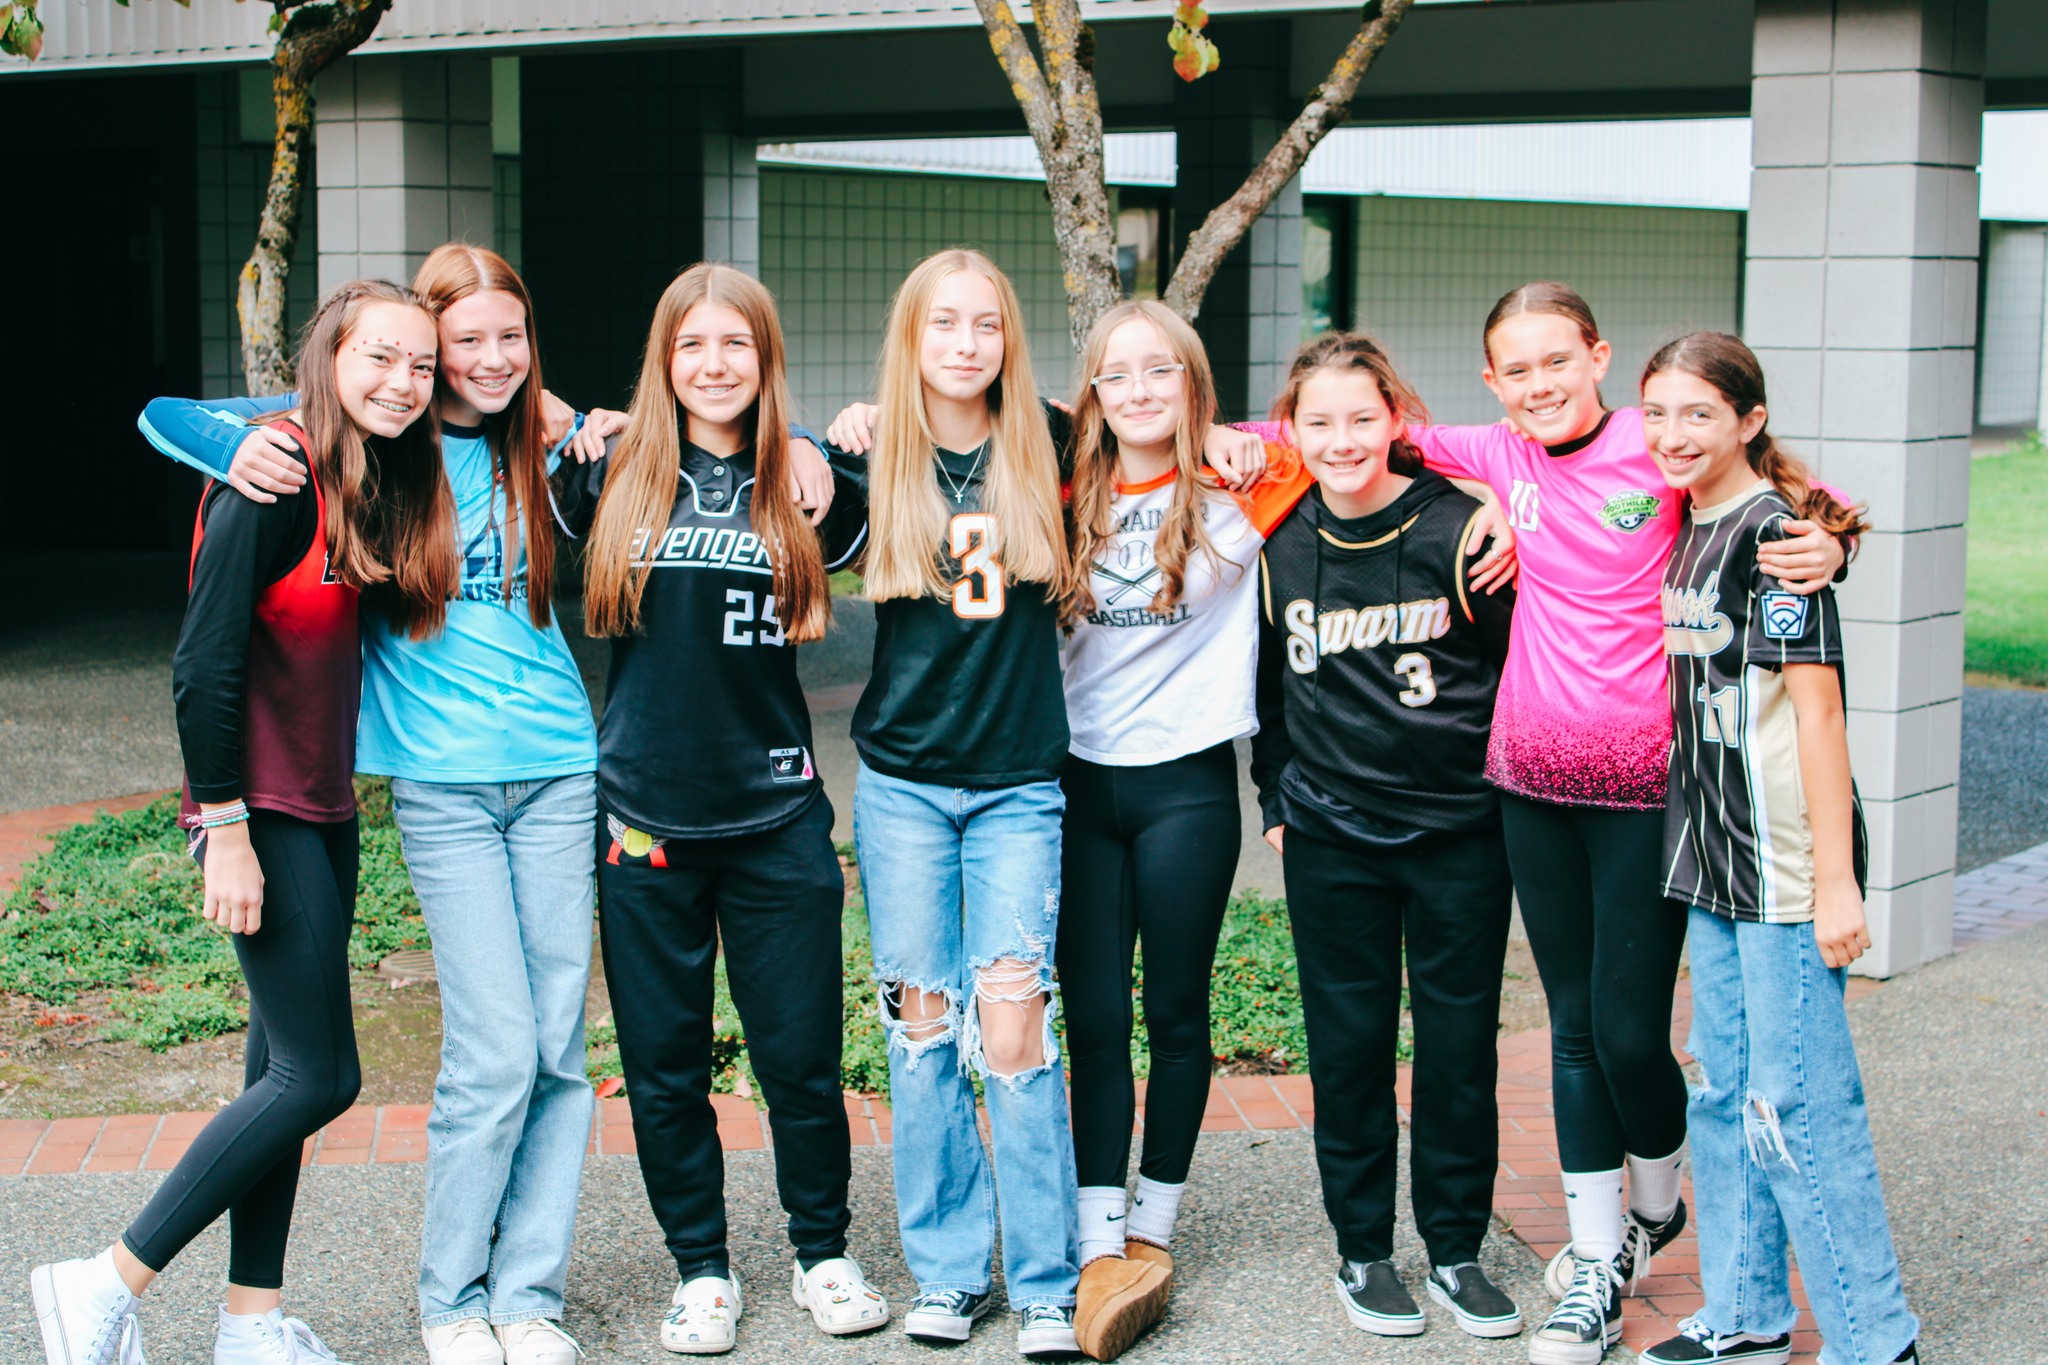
(877, 68)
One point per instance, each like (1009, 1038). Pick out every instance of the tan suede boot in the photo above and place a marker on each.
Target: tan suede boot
(1145, 1251)
(1119, 1299)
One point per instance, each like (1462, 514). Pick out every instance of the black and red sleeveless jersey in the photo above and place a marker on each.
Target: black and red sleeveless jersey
(268, 673)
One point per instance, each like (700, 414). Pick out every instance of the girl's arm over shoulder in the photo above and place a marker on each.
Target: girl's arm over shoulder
(1839, 928)
(213, 436)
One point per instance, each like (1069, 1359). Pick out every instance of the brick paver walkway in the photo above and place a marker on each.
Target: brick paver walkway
(1991, 901)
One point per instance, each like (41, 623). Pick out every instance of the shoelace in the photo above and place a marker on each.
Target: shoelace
(1585, 1307)
(547, 1328)
(119, 1340)
(301, 1345)
(953, 1301)
(1043, 1315)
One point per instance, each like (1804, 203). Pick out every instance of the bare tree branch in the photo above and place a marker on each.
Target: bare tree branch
(314, 38)
(1327, 107)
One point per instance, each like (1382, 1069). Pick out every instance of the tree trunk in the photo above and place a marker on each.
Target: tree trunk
(1064, 113)
(314, 37)
(1328, 106)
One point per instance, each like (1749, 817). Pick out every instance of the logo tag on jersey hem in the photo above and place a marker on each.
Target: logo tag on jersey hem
(1784, 615)
(790, 765)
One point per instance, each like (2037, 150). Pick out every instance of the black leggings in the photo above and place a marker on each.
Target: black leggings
(301, 1071)
(1147, 850)
(1607, 945)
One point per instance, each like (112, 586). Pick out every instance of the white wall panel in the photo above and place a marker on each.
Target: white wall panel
(2015, 292)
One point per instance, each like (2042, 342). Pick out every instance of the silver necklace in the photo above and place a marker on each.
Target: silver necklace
(960, 489)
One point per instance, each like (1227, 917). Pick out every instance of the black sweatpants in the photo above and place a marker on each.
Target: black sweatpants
(1447, 895)
(301, 1070)
(1607, 944)
(772, 900)
(1146, 851)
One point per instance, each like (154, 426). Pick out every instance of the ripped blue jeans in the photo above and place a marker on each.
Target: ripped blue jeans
(1781, 1150)
(962, 889)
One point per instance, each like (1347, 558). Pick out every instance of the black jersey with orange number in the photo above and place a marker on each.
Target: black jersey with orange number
(966, 688)
(1737, 839)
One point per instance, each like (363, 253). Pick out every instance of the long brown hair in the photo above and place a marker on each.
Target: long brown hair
(390, 520)
(906, 513)
(646, 469)
(1735, 373)
(1543, 296)
(1183, 531)
(450, 274)
(1357, 353)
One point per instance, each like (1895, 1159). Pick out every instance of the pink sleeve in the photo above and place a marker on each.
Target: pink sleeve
(1457, 452)
(1274, 433)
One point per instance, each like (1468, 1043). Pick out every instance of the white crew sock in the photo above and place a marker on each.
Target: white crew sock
(1153, 1211)
(1102, 1222)
(1653, 1186)
(1593, 1207)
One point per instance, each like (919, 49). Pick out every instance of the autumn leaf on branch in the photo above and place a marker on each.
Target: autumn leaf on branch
(21, 32)
(1194, 55)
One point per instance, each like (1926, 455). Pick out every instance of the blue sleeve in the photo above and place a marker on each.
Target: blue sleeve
(555, 452)
(204, 433)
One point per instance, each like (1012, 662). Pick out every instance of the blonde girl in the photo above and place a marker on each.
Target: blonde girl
(962, 732)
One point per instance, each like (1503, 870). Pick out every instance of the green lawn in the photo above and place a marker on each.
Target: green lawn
(2006, 625)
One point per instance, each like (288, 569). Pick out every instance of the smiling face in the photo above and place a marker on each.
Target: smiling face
(384, 367)
(1546, 375)
(486, 354)
(715, 367)
(1141, 386)
(1345, 427)
(1699, 441)
(960, 353)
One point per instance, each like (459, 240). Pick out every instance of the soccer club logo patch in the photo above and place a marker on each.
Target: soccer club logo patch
(790, 765)
(1628, 510)
(636, 845)
(1784, 615)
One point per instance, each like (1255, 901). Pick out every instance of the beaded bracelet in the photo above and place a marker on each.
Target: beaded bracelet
(233, 814)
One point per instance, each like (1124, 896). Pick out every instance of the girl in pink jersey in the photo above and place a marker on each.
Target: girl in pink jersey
(1581, 736)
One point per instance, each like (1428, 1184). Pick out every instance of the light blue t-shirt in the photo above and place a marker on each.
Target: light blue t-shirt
(492, 697)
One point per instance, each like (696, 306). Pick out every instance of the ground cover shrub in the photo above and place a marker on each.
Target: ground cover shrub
(2005, 625)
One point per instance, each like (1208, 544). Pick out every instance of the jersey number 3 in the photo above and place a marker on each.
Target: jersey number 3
(971, 540)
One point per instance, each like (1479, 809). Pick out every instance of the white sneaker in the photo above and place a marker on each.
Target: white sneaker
(268, 1339)
(86, 1314)
(838, 1297)
(468, 1342)
(705, 1320)
(538, 1342)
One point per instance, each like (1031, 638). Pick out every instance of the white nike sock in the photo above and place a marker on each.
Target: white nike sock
(1154, 1210)
(1102, 1222)
(1653, 1186)
(1593, 1207)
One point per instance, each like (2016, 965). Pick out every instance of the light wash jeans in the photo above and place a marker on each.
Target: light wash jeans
(1781, 1151)
(504, 875)
(955, 879)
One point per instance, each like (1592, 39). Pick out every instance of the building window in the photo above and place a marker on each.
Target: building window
(1325, 265)
(1141, 243)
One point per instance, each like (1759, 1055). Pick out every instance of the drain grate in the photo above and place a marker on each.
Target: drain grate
(408, 964)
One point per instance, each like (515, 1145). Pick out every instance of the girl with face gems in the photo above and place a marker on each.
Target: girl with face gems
(1581, 736)
(713, 830)
(266, 677)
(1377, 672)
(485, 730)
(1158, 667)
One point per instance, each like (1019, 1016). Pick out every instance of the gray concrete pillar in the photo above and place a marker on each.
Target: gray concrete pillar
(1862, 304)
(2041, 418)
(633, 168)
(405, 162)
(1223, 125)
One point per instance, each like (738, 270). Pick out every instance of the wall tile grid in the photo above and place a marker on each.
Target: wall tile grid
(231, 177)
(1428, 270)
(506, 209)
(1863, 246)
(2009, 390)
(835, 245)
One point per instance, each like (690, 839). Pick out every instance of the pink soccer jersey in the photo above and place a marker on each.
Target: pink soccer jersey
(1582, 716)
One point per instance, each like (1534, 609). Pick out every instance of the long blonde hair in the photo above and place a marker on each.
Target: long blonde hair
(646, 468)
(907, 515)
(1183, 530)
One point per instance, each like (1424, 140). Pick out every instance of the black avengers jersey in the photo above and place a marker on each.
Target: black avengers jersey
(1377, 669)
(966, 688)
(1737, 840)
(705, 730)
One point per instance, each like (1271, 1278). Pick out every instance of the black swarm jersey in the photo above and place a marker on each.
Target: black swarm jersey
(1737, 839)
(705, 730)
(1377, 669)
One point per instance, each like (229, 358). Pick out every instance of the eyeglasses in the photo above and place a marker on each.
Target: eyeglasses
(1157, 378)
